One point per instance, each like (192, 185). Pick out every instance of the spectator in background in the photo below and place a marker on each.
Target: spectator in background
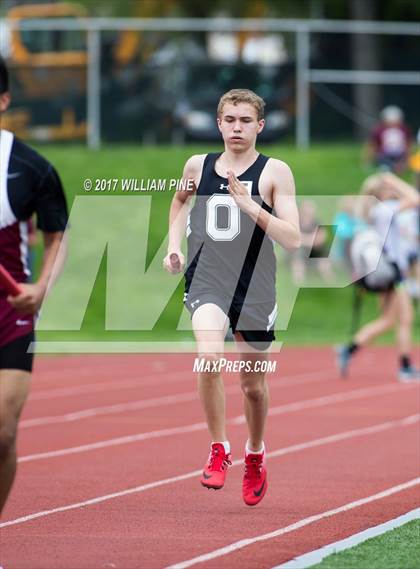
(414, 162)
(396, 310)
(314, 245)
(410, 229)
(408, 226)
(390, 141)
(346, 223)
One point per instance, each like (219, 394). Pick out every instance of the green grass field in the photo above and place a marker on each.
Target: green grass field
(320, 315)
(396, 549)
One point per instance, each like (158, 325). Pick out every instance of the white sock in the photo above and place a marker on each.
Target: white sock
(249, 451)
(226, 445)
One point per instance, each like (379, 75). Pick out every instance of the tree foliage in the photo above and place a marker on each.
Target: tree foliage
(388, 10)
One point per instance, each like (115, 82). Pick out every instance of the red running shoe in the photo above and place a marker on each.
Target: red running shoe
(254, 484)
(214, 472)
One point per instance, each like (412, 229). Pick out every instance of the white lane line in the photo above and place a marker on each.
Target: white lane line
(86, 367)
(338, 397)
(115, 442)
(153, 402)
(110, 410)
(293, 527)
(239, 420)
(160, 379)
(328, 399)
(60, 375)
(116, 385)
(315, 557)
(406, 421)
(166, 433)
(191, 396)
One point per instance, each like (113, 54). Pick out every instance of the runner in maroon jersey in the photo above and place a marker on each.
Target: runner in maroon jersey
(28, 185)
(390, 141)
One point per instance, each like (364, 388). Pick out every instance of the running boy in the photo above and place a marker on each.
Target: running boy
(230, 275)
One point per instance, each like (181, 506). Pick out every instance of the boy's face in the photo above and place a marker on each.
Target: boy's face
(4, 101)
(239, 125)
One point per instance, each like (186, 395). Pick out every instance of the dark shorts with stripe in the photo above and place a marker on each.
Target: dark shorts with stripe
(15, 355)
(16, 334)
(12, 324)
(255, 322)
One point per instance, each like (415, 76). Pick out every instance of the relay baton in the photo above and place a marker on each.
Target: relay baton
(8, 282)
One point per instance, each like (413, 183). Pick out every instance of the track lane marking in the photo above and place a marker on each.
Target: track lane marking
(314, 557)
(102, 386)
(188, 375)
(191, 396)
(183, 429)
(297, 379)
(406, 421)
(236, 546)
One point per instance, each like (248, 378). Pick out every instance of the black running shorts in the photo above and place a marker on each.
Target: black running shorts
(15, 355)
(255, 322)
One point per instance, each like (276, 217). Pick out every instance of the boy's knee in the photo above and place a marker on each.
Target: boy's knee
(209, 364)
(7, 442)
(253, 388)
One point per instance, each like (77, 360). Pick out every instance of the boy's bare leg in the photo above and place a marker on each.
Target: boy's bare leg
(210, 324)
(256, 397)
(386, 321)
(405, 314)
(14, 389)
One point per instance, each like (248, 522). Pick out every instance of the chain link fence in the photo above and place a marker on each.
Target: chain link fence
(159, 80)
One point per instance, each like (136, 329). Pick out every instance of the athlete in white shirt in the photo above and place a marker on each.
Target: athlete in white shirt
(395, 304)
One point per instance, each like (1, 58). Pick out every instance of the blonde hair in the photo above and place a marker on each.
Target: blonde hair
(236, 96)
(372, 186)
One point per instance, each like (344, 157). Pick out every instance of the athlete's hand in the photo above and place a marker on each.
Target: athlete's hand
(174, 262)
(30, 299)
(240, 194)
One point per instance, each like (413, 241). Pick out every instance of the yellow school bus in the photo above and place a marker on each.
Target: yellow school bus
(48, 69)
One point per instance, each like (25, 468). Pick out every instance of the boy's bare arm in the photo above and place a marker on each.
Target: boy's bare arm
(283, 228)
(178, 214)
(30, 300)
(407, 195)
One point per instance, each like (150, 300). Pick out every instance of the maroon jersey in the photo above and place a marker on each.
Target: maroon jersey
(28, 185)
(391, 140)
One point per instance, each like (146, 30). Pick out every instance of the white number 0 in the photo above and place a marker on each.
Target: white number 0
(234, 219)
(234, 216)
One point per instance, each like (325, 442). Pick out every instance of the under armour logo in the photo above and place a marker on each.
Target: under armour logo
(195, 302)
(246, 183)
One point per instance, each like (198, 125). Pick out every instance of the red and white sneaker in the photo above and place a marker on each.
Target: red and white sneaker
(254, 484)
(214, 472)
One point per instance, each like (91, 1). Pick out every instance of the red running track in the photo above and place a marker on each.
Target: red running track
(110, 450)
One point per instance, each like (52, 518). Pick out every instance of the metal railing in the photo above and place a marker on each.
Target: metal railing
(301, 28)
